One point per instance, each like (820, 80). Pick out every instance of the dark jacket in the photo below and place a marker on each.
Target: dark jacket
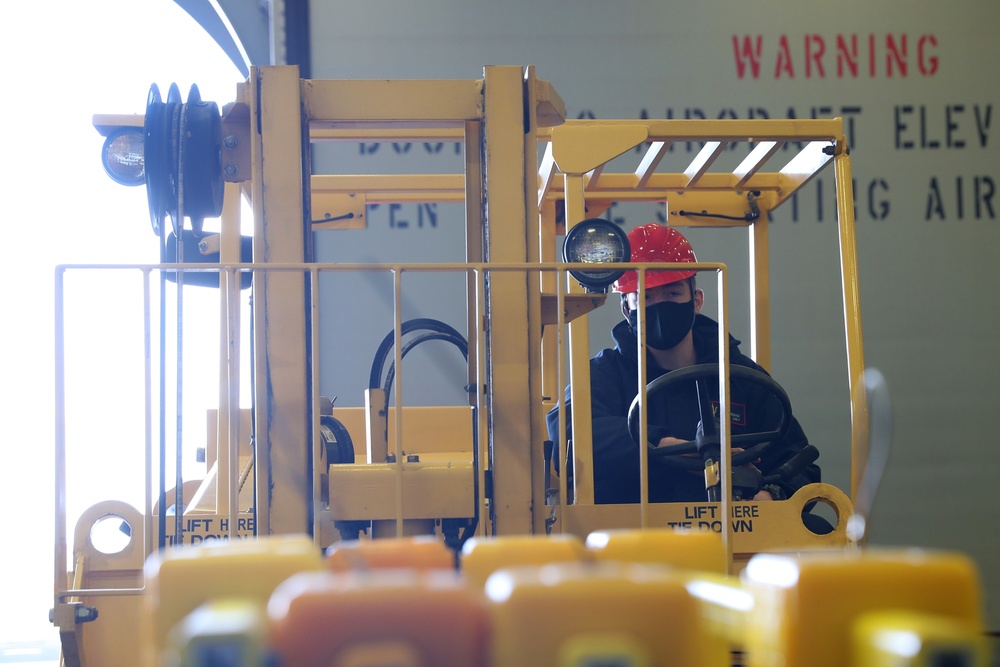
(614, 384)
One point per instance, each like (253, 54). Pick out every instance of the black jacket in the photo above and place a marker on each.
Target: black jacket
(614, 384)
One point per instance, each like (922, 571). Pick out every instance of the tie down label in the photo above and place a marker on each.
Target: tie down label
(702, 517)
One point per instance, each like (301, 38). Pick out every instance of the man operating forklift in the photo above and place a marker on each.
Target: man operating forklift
(678, 337)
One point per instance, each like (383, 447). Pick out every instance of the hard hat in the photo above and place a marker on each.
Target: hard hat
(654, 242)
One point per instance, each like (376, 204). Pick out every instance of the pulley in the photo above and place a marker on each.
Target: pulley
(182, 146)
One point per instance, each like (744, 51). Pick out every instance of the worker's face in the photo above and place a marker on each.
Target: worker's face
(670, 313)
(678, 292)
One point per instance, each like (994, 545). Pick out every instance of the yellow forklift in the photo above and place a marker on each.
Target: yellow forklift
(339, 535)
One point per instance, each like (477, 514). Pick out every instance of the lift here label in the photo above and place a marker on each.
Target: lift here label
(709, 517)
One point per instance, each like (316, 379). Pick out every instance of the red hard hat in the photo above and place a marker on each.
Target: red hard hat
(654, 242)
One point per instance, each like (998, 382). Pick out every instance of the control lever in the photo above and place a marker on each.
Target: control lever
(794, 465)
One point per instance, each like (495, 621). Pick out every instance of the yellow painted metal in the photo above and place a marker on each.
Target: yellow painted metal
(395, 188)
(425, 103)
(852, 321)
(578, 149)
(662, 186)
(725, 433)
(643, 380)
(474, 291)
(178, 581)
(760, 292)
(426, 429)
(230, 430)
(829, 130)
(574, 306)
(106, 123)
(109, 583)
(510, 402)
(538, 432)
(806, 606)
(282, 426)
(650, 161)
(376, 427)
(64, 617)
(338, 211)
(205, 527)
(729, 203)
(908, 639)
(550, 109)
(546, 172)
(756, 159)
(224, 487)
(700, 550)
(756, 526)
(611, 613)
(579, 368)
(435, 487)
(398, 617)
(481, 557)
(236, 143)
(709, 153)
(482, 444)
(207, 499)
(422, 119)
(425, 552)
(385, 134)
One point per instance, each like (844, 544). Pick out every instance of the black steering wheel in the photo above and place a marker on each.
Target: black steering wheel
(753, 444)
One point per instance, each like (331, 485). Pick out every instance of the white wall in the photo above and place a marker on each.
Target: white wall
(924, 135)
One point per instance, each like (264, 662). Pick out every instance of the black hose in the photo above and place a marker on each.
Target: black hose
(458, 342)
(378, 362)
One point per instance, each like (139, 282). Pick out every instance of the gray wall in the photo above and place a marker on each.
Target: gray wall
(924, 135)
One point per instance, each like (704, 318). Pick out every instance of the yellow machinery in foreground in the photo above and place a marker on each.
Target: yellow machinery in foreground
(239, 579)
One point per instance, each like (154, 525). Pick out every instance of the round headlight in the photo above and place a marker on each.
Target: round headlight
(123, 156)
(596, 241)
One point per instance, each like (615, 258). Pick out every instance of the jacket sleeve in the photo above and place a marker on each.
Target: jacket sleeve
(616, 457)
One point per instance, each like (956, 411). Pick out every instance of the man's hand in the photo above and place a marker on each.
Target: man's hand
(762, 494)
(759, 496)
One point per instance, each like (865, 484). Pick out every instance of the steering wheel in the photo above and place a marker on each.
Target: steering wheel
(753, 444)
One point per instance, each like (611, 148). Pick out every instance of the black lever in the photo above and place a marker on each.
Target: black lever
(794, 465)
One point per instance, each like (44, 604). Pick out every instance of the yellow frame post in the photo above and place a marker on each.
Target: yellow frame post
(852, 320)
(509, 397)
(282, 402)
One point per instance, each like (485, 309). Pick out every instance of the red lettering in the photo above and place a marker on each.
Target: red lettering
(871, 56)
(895, 53)
(928, 64)
(784, 61)
(848, 57)
(749, 53)
(815, 56)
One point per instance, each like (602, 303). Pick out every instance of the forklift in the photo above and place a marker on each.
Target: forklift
(306, 506)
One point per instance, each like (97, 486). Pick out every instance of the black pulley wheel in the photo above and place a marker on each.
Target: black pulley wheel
(201, 169)
(182, 146)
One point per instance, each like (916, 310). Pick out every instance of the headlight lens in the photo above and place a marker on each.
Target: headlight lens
(123, 156)
(596, 241)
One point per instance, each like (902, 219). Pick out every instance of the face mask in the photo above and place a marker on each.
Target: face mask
(667, 323)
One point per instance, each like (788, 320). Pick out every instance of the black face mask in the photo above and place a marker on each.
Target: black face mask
(667, 323)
